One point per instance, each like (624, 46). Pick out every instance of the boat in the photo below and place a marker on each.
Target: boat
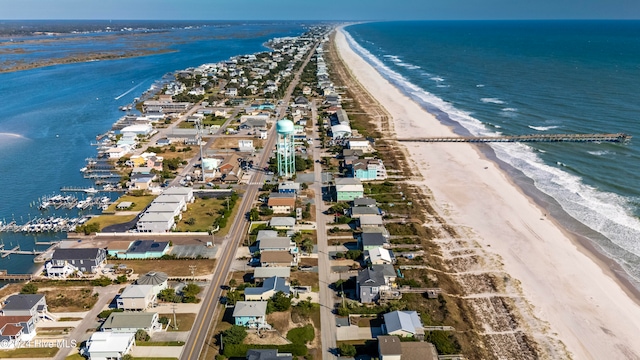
(90, 190)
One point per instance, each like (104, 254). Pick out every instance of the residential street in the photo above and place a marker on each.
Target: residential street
(327, 300)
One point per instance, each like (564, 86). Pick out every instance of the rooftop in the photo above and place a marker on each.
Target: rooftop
(250, 308)
(389, 345)
(136, 291)
(22, 301)
(139, 320)
(145, 246)
(152, 278)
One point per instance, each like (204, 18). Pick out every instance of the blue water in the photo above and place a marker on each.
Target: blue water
(49, 116)
(529, 78)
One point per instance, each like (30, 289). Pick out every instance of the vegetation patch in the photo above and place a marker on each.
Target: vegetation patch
(184, 321)
(70, 300)
(29, 353)
(172, 267)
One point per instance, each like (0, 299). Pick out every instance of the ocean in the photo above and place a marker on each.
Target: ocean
(534, 77)
(50, 116)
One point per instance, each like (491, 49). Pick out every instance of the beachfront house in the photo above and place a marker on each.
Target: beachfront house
(120, 322)
(359, 144)
(372, 240)
(83, 260)
(348, 189)
(357, 212)
(107, 345)
(368, 202)
(136, 297)
(368, 169)
(372, 280)
(378, 256)
(403, 323)
(251, 314)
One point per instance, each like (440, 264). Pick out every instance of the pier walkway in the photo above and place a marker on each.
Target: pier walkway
(618, 138)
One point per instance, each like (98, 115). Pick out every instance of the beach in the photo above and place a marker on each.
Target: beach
(570, 302)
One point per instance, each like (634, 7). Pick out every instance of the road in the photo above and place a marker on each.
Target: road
(204, 326)
(106, 295)
(327, 300)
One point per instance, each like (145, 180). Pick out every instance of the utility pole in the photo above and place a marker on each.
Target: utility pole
(175, 323)
(192, 268)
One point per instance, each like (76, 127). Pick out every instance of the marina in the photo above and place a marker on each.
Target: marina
(44, 225)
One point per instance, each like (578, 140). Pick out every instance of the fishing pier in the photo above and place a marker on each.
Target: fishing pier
(545, 138)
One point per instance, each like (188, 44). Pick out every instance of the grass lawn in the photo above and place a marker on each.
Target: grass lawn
(107, 220)
(139, 202)
(201, 213)
(29, 353)
(70, 319)
(185, 321)
(75, 357)
(170, 267)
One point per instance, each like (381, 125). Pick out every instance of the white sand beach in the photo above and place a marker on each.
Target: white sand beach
(569, 289)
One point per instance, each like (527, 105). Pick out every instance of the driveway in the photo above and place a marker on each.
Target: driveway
(352, 332)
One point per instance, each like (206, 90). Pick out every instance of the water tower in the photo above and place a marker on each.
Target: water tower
(286, 153)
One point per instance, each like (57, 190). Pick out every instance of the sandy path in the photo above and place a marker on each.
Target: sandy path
(580, 300)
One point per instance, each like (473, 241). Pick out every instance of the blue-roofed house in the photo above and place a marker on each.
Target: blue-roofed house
(269, 288)
(403, 323)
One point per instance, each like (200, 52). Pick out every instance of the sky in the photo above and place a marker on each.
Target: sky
(318, 9)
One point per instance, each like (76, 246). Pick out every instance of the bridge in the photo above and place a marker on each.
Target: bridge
(617, 138)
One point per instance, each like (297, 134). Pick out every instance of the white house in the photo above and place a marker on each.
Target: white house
(109, 345)
(116, 152)
(136, 297)
(379, 255)
(359, 144)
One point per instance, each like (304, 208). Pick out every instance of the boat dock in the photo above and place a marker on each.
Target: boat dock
(42, 225)
(14, 277)
(617, 138)
(89, 190)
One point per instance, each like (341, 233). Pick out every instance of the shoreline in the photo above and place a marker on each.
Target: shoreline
(582, 297)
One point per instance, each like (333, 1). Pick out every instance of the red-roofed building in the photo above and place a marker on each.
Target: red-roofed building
(16, 329)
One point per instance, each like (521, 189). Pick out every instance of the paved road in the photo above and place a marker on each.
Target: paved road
(327, 301)
(106, 295)
(204, 326)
